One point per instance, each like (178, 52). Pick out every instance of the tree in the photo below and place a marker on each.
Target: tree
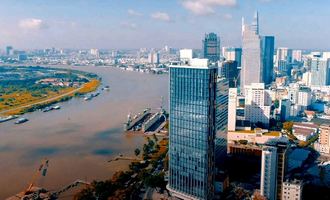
(276, 103)
(137, 152)
(288, 126)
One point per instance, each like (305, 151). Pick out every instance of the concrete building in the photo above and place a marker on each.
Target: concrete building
(95, 52)
(252, 61)
(256, 136)
(285, 107)
(296, 55)
(233, 54)
(153, 58)
(273, 165)
(320, 70)
(232, 106)
(284, 60)
(324, 139)
(257, 103)
(292, 190)
(192, 131)
(211, 47)
(304, 131)
(186, 55)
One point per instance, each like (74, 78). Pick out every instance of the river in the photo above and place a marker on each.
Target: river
(81, 137)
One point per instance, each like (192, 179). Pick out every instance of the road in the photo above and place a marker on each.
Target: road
(43, 101)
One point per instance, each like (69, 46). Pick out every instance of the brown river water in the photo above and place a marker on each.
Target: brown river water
(81, 137)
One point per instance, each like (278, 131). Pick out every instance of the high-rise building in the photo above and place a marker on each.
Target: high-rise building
(228, 69)
(211, 47)
(153, 57)
(186, 55)
(292, 190)
(273, 170)
(268, 43)
(192, 130)
(324, 139)
(232, 106)
(284, 60)
(233, 54)
(296, 55)
(9, 50)
(95, 52)
(252, 70)
(320, 71)
(257, 103)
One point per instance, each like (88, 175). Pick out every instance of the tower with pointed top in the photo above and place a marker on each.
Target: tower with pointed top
(257, 55)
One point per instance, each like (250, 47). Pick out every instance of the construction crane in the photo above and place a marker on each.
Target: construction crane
(41, 171)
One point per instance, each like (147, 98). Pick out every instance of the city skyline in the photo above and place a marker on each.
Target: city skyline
(95, 24)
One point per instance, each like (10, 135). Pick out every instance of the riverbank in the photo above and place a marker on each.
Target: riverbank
(35, 91)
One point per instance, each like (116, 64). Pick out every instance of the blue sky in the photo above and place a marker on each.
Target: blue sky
(120, 24)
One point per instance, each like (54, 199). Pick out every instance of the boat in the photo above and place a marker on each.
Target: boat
(47, 109)
(131, 122)
(5, 119)
(87, 98)
(57, 107)
(21, 120)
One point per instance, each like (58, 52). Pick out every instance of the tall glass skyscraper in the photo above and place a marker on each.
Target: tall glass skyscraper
(192, 124)
(268, 58)
(211, 47)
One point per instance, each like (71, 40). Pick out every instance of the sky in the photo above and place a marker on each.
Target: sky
(128, 24)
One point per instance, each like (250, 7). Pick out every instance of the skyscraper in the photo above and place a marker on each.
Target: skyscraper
(273, 170)
(320, 71)
(192, 129)
(252, 61)
(268, 58)
(257, 55)
(211, 47)
(284, 60)
(228, 69)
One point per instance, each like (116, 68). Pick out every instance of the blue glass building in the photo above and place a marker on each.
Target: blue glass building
(192, 125)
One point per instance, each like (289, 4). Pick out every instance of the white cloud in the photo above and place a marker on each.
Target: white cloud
(206, 7)
(162, 16)
(32, 23)
(134, 13)
(227, 16)
(129, 25)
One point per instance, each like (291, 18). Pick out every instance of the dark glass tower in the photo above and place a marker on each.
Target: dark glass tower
(211, 47)
(192, 130)
(268, 59)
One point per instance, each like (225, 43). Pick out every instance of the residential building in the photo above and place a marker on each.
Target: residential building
(292, 190)
(153, 58)
(284, 60)
(232, 106)
(192, 130)
(324, 139)
(273, 165)
(320, 70)
(211, 47)
(296, 55)
(257, 104)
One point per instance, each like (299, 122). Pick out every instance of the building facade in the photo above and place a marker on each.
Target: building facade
(292, 190)
(233, 54)
(257, 103)
(211, 47)
(229, 70)
(252, 69)
(320, 74)
(324, 139)
(192, 129)
(268, 43)
(273, 165)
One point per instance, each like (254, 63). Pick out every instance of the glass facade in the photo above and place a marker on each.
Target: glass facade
(192, 131)
(211, 47)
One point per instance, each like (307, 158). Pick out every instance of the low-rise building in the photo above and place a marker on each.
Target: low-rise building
(304, 131)
(256, 136)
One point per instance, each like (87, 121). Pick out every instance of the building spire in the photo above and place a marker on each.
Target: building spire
(255, 23)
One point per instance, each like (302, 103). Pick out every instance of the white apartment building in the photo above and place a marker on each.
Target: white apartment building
(257, 103)
(292, 190)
